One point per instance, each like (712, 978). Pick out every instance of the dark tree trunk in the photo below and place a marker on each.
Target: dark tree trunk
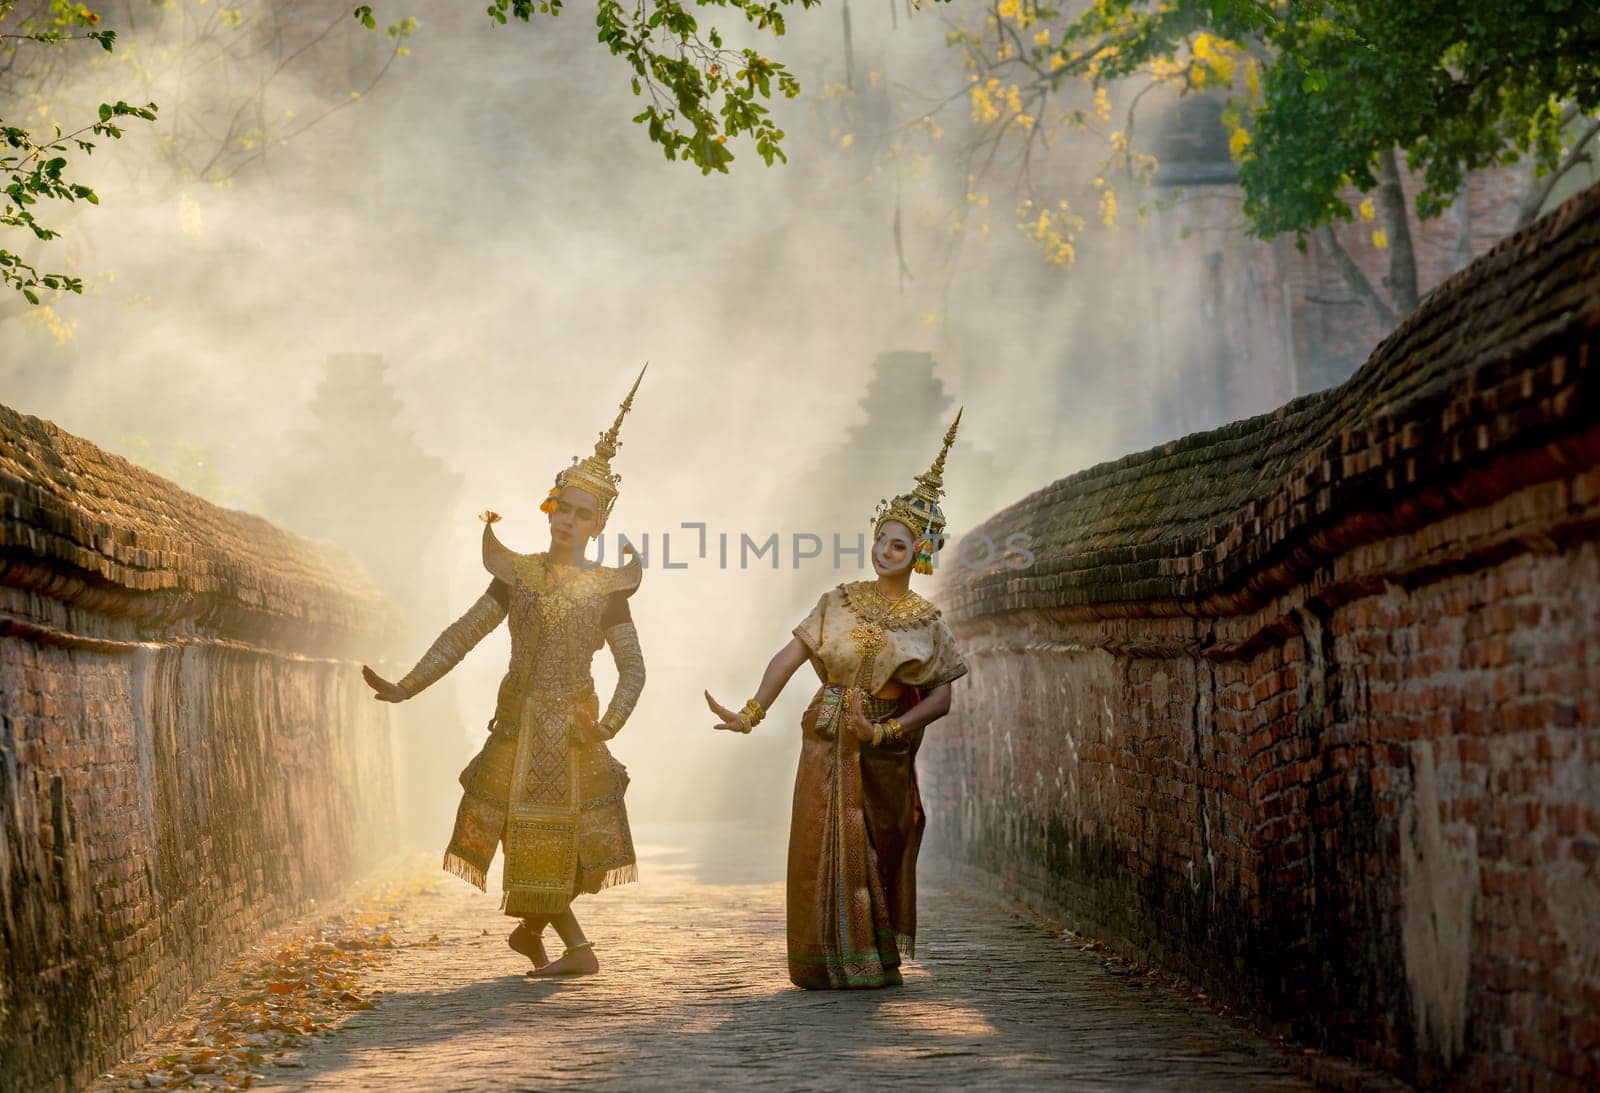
(1402, 279)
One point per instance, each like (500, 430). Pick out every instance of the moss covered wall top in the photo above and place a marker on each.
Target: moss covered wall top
(88, 528)
(1499, 359)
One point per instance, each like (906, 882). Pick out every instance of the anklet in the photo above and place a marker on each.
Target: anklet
(579, 948)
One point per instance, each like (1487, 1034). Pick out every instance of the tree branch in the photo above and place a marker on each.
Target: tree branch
(1541, 190)
(1353, 276)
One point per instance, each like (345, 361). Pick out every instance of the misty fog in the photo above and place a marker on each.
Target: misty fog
(489, 222)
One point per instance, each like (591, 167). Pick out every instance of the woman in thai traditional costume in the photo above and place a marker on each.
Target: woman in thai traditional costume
(545, 785)
(886, 661)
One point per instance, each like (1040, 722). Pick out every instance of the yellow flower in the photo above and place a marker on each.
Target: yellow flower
(1215, 59)
(1238, 141)
(983, 108)
(1366, 211)
(1380, 239)
(60, 330)
(1108, 207)
(1042, 38)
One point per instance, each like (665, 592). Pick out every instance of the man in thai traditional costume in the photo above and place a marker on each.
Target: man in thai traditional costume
(545, 785)
(886, 661)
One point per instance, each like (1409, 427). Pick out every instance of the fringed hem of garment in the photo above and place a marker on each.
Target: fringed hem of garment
(529, 904)
(472, 874)
(626, 874)
(907, 944)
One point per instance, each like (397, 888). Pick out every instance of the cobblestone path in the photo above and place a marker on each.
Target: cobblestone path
(693, 995)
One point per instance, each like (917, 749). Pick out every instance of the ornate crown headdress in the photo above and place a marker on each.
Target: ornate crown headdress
(594, 473)
(919, 510)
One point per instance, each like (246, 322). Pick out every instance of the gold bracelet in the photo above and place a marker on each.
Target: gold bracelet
(877, 734)
(893, 730)
(751, 715)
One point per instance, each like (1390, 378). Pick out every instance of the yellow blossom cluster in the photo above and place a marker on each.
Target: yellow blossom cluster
(1053, 231)
(1108, 203)
(990, 101)
(1214, 60)
(984, 110)
(46, 318)
(1016, 11)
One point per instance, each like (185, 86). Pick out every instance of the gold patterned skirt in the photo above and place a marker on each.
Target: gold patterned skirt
(553, 800)
(853, 840)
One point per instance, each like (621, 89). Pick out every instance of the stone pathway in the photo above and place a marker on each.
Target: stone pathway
(693, 994)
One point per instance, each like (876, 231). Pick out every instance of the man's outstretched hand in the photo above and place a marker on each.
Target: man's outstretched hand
(593, 731)
(384, 690)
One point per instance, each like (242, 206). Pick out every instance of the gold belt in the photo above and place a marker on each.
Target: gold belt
(832, 704)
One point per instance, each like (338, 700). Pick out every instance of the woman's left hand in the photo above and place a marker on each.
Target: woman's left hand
(593, 731)
(856, 719)
(731, 722)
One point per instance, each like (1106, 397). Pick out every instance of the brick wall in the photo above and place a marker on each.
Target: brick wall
(1307, 708)
(187, 752)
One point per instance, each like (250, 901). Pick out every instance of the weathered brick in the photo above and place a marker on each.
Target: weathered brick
(1435, 624)
(159, 814)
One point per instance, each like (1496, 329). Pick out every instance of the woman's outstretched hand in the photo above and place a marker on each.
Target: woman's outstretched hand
(385, 691)
(856, 719)
(730, 720)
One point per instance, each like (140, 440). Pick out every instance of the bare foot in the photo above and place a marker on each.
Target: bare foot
(529, 944)
(572, 962)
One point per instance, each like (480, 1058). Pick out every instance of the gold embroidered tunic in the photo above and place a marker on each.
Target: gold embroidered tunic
(858, 638)
(539, 787)
(857, 822)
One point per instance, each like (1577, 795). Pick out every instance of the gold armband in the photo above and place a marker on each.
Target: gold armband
(454, 643)
(629, 658)
(751, 715)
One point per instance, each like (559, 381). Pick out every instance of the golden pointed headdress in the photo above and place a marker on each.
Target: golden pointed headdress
(594, 473)
(919, 510)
